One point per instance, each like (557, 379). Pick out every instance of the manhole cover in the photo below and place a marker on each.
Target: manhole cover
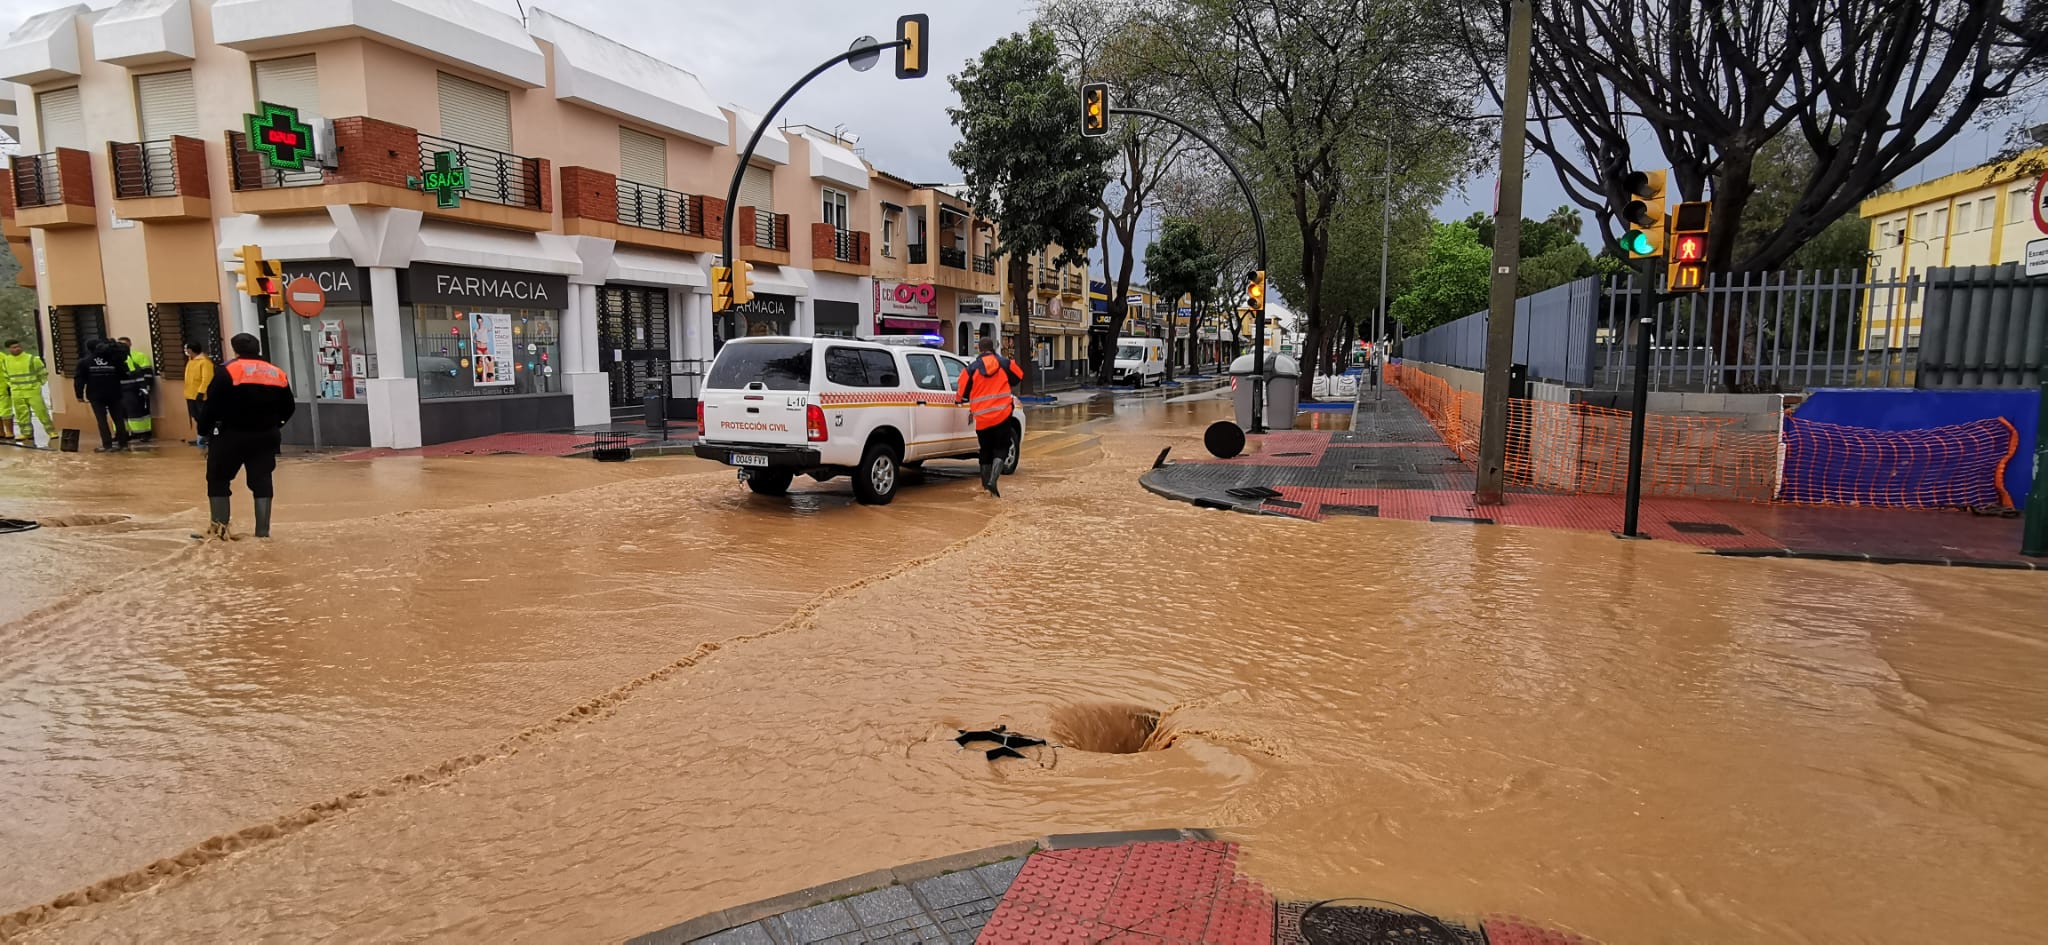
(1703, 528)
(1282, 504)
(1369, 511)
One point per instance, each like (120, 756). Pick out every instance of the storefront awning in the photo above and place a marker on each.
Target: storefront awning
(630, 264)
(485, 248)
(286, 237)
(777, 280)
(911, 324)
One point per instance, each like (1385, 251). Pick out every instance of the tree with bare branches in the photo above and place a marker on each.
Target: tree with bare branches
(1871, 87)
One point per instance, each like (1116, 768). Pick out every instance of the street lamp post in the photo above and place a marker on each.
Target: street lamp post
(1379, 324)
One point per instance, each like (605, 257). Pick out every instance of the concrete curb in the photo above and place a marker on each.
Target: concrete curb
(712, 923)
(1863, 558)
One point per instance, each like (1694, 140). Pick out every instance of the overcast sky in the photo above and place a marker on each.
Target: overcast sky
(757, 48)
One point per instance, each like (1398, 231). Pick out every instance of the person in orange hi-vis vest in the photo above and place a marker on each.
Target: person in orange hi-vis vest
(985, 389)
(246, 408)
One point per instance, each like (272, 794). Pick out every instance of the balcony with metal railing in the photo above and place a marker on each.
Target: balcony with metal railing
(379, 163)
(952, 258)
(761, 236)
(985, 264)
(837, 250)
(920, 254)
(160, 180)
(599, 203)
(53, 189)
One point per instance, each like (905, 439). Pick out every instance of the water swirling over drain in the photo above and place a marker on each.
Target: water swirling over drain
(1112, 728)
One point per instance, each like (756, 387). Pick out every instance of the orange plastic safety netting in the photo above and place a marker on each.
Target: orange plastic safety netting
(1952, 467)
(1584, 449)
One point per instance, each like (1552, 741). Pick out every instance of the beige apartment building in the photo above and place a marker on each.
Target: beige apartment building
(1984, 216)
(568, 281)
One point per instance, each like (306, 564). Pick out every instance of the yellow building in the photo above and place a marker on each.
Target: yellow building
(1980, 217)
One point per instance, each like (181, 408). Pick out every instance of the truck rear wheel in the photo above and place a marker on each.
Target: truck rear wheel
(1014, 452)
(874, 483)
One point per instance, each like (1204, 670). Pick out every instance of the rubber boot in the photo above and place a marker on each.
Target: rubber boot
(217, 519)
(990, 472)
(263, 518)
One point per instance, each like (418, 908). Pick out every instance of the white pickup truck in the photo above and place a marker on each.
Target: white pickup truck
(777, 408)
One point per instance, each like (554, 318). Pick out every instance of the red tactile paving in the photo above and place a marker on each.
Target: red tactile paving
(1185, 893)
(1511, 931)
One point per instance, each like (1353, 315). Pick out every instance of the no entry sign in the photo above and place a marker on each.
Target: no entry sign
(305, 297)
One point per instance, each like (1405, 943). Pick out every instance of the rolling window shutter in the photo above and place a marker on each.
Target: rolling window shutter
(475, 114)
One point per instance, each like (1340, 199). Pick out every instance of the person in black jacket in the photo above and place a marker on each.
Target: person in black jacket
(98, 380)
(247, 406)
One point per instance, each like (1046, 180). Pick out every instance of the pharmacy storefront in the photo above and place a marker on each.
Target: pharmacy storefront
(486, 346)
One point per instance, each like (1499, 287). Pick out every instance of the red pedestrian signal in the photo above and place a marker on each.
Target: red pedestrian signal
(1686, 270)
(1689, 248)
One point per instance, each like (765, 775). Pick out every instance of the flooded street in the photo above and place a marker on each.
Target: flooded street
(533, 699)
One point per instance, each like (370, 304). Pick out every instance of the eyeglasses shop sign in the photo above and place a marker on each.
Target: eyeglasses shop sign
(462, 285)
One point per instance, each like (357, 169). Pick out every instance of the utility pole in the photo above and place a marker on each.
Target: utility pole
(1379, 321)
(1507, 254)
(2034, 532)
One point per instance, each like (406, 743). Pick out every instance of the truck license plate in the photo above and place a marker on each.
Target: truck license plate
(749, 459)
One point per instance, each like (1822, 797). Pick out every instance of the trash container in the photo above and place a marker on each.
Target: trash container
(1283, 390)
(654, 412)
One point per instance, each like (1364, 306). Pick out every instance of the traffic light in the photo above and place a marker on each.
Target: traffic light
(1256, 290)
(273, 286)
(1687, 269)
(721, 288)
(912, 31)
(1095, 109)
(249, 270)
(1644, 214)
(742, 283)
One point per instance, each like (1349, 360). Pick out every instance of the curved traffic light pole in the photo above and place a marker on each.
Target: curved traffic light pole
(1258, 230)
(739, 171)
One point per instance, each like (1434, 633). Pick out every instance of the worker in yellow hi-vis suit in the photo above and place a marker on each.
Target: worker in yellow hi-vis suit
(137, 390)
(23, 374)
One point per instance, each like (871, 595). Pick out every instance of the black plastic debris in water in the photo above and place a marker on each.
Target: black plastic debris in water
(9, 526)
(611, 448)
(1006, 741)
(1254, 492)
(1225, 440)
(1372, 922)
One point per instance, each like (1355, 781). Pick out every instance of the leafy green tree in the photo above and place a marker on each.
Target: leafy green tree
(1027, 165)
(1451, 283)
(17, 304)
(1178, 263)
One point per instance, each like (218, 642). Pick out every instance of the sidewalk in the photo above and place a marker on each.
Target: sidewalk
(1392, 464)
(1148, 887)
(571, 441)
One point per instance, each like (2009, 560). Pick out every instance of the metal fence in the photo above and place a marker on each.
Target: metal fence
(1768, 332)
(494, 176)
(1986, 327)
(1554, 336)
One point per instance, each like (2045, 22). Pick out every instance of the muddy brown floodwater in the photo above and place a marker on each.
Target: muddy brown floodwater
(503, 699)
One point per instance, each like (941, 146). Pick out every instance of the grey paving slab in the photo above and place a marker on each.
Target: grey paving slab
(951, 889)
(884, 905)
(752, 933)
(998, 876)
(818, 923)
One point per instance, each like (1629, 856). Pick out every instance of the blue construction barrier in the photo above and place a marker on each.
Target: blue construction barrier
(1906, 409)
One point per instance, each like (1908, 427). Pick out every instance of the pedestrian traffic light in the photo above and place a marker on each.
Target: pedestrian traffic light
(1644, 214)
(1687, 269)
(1095, 109)
(1256, 290)
(249, 270)
(912, 31)
(273, 285)
(721, 288)
(742, 283)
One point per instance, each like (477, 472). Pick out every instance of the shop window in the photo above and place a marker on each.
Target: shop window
(71, 328)
(171, 324)
(459, 352)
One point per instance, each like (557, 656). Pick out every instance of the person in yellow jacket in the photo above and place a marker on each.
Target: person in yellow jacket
(198, 374)
(137, 390)
(23, 374)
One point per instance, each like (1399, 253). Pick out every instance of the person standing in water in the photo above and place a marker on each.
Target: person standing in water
(246, 408)
(22, 374)
(98, 381)
(136, 391)
(985, 389)
(198, 376)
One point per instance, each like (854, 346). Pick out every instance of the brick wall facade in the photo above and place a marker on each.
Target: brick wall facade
(375, 152)
(6, 193)
(589, 195)
(74, 171)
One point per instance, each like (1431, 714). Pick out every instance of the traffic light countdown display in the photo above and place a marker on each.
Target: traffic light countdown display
(1095, 109)
(1686, 270)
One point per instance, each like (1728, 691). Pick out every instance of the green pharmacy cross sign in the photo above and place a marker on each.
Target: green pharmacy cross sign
(276, 132)
(448, 181)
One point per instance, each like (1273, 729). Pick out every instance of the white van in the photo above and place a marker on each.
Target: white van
(777, 408)
(1139, 361)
